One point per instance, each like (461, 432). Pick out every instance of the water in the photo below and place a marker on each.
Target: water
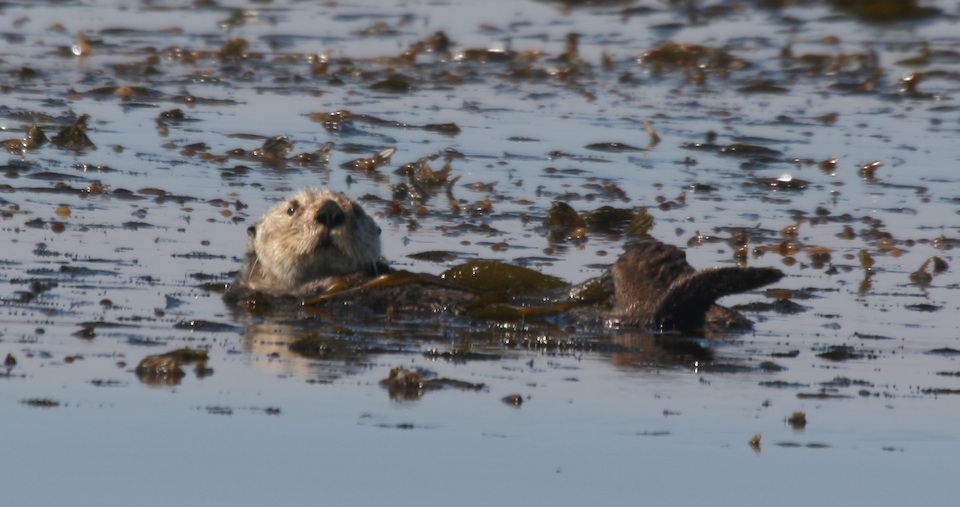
(609, 416)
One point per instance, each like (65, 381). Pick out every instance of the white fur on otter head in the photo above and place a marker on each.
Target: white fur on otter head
(312, 235)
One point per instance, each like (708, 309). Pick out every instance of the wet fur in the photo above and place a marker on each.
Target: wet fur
(302, 247)
(308, 242)
(655, 287)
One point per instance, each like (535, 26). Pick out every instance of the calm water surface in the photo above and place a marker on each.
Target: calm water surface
(774, 119)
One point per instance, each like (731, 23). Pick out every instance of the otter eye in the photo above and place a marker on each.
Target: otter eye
(379, 230)
(293, 208)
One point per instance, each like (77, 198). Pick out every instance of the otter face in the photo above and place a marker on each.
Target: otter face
(314, 234)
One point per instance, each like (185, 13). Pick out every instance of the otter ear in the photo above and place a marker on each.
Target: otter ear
(252, 232)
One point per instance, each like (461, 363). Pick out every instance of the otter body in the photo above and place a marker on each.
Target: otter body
(320, 247)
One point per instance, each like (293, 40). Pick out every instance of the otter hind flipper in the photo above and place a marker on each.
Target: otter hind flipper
(688, 299)
(656, 287)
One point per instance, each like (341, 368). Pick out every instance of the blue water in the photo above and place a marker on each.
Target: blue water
(604, 425)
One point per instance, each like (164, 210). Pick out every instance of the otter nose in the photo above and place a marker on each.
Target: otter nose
(330, 215)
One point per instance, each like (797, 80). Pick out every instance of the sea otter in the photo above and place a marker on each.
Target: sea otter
(321, 248)
(308, 243)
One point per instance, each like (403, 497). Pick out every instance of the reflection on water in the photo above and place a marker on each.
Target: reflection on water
(815, 137)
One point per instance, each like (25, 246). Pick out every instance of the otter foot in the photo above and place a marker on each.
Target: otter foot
(655, 287)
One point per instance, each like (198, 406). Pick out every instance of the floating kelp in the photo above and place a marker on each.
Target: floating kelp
(924, 307)
(404, 384)
(764, 86)
(885, 11)
(494, 55)
(34, 139)
(829, 165)
(160, 370)
(612, 147)
(204, 326)
(172, 117)
(489, 277)
(748, 150)
(944, 351)
(781, 306)
(608, 220)
(690, 57)
(437, 43)
(822, 396)
(41, 402)
(438, 256)
(74, 137)
(125, 92)
(563, 223)
(841, 381)
(931, 267)
(785, 182)
(234, 49)
(320, 347)
(641, 224)
(422, 174)
(166, 369)
(840, 353)
(396, 83)
(868, 171)
(274, 148)
(863, 66)
(514, 400)
(460, 355)
(371, 163)
(335, 121)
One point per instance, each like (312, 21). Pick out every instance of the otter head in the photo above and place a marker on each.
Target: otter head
(314, 234)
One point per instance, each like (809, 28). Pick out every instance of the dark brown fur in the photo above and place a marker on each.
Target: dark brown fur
(655, 287)
(650, 286)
